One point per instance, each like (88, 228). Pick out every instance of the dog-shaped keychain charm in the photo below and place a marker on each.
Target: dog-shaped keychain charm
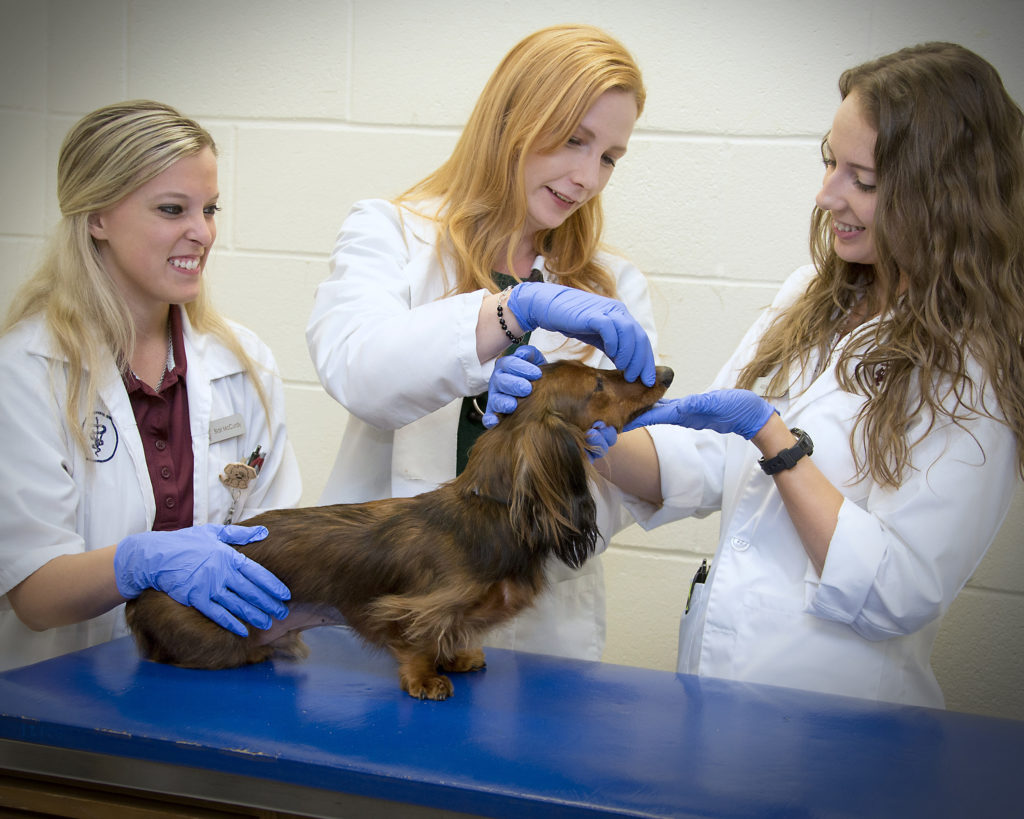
(238, 478)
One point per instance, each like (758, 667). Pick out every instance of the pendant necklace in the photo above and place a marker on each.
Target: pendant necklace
(168, 363)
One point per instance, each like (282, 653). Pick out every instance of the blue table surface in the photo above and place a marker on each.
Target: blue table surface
(530, 735)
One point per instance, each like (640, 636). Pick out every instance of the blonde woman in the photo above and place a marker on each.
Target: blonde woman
(865, 440)
(125, 397)
(500, 244)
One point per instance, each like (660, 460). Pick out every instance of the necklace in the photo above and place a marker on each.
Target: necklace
(168, 362)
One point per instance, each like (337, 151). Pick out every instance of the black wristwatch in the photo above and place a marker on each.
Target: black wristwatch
(788, 458)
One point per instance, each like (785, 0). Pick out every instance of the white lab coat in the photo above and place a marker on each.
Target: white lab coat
(400, 356)
(57, 500)
(895, 563)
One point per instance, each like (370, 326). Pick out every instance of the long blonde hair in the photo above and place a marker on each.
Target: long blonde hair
(107, 155)
(948, 282)
(534, 101)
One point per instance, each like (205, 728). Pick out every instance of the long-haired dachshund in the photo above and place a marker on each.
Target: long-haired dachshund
(427, 576)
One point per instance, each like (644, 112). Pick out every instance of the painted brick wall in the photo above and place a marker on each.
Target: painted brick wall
(317, 103)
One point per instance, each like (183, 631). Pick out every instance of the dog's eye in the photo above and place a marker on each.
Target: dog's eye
(600, 385)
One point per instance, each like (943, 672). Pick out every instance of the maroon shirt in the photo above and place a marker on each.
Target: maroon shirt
(163, 423)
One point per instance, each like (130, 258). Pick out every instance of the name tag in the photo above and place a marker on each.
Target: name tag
(223, 428)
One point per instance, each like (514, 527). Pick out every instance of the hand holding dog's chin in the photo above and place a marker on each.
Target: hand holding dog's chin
(600, 438)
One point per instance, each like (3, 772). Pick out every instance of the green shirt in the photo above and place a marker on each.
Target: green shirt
(471, 424)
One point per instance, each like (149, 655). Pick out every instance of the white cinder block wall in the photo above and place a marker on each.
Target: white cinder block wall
(316, 103)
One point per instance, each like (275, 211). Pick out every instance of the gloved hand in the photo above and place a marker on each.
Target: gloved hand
(740, 411)
(602, 322)
(511, 379)
(197, 568)
(600, 438)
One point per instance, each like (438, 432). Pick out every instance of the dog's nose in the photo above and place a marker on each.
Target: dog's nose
(664, 376)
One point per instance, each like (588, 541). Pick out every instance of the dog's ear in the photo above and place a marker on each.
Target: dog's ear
(551, 505)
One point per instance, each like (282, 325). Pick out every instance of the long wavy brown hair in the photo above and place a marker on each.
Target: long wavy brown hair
(534, 101)
(948, 283)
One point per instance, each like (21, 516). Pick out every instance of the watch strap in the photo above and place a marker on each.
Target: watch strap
(788, 458)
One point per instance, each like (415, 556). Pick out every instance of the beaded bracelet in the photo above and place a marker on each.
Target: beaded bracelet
(501, 316)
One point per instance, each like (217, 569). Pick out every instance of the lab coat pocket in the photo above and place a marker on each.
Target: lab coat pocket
(783, 645)
(688, 658)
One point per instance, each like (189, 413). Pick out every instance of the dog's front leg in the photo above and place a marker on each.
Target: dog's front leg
(419, 676)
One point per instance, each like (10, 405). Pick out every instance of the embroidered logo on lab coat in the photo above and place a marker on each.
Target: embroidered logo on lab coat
(102, 437)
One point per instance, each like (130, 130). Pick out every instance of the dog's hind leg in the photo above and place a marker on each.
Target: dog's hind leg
(471, 659)
(168, 632)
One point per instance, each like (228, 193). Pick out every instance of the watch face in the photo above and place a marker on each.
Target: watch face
(803, 440)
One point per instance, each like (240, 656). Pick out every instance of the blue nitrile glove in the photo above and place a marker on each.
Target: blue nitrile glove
(197, 568)
(596, 320)
(600, 438)
(510, 380)
(740, 411)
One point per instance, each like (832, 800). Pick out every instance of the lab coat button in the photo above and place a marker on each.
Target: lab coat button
(170, 502)
(739, 544)
(160, 445)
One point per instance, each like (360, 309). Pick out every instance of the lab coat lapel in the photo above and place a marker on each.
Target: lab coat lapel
(804, 391)
(114, 397)
(200, 397)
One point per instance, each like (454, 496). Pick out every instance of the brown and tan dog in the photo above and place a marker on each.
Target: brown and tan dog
(427, 576)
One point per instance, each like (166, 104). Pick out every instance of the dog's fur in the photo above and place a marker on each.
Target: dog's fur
(427, 576)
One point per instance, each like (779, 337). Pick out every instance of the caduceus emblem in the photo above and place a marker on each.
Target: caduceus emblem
(99, 429)
(102, 435)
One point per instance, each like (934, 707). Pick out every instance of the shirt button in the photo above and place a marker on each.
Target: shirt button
(165, 473)
(160, 445)
(739, 544)
(170, 502)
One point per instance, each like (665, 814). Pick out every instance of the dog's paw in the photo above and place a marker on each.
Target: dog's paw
(470, 660)
(434, 687)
